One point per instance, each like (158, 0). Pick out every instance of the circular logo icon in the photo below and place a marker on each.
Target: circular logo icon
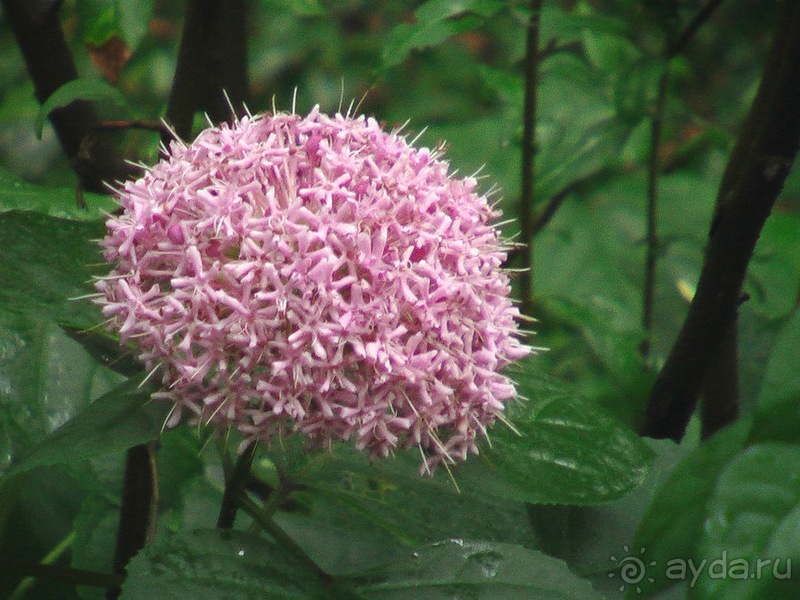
(631, 570)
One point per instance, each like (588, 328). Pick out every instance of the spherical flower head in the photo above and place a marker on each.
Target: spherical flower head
(316, 274)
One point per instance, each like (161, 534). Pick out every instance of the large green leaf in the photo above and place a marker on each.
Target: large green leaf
(753, 519)
(219, 564)
(46, 379)
(44, 261)
(387, 507)
(566, 450)
(16, 194)
(459, 568)
(116, 421)
(674, 520)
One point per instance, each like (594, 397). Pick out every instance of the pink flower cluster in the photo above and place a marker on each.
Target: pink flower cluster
(316, 274)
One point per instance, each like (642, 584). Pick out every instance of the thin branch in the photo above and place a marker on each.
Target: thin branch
(754, 176)
(212, 61)
(651, 258)
(147, 125)
(527, 200)
(553, 47)
(546, 214)
(49, 62)
(62, 574)
(653, 168)
(683, 39)
(28, 582)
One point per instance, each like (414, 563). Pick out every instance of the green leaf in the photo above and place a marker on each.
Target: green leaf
(211, 563)
(782, 376)
(133, 19)
(16, 194)
(568, 450)
(776, 254)
(99, 20)
(300, 8)
(79, 89)
(459, 568)
(387, 507)
(568, 26)
(777, 417)
(437, 21)
(114, 422)
(126, 19)
(46, 379)
(610, 53)
(753, 517)
(43, 263)
(674, 520)
(379, 528)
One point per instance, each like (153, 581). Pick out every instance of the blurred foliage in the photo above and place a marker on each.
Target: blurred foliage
(538, 515)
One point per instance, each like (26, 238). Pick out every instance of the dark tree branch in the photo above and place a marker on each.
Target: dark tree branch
(235, 485)
(754, 176)
(527, 200)
(212, 61)
(139, 508)
(49, 62)
(720, 392)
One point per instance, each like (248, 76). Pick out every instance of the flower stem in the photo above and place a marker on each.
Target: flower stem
(284, 539)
